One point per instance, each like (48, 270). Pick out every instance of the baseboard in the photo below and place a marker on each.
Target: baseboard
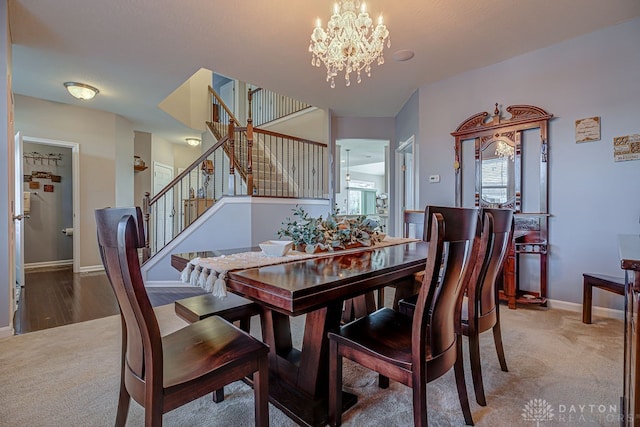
(610, 313)
(7, 331)
(91, 268)
(48, 264)
(166, 284)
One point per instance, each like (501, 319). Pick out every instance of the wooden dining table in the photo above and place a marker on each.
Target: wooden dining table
(318, 287)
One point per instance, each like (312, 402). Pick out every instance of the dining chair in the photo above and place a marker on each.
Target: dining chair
(162, 373)
(412, 219)
(418, 350)
(480, 307)
(233, 308)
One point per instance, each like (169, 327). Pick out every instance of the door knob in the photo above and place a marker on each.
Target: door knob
(21, 217)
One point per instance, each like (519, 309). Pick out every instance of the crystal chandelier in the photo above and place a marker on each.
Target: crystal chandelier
(350, 43)
(504, 150)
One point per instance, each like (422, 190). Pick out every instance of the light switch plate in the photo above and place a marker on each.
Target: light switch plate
(434, 178)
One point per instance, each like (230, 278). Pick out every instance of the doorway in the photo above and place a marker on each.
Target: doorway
(406, 182)
(362, 185)
(50, 171)
(47, 193)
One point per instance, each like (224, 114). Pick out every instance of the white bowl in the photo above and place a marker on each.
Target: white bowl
(276, 247)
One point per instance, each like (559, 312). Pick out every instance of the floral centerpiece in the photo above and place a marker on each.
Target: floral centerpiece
(336, 232)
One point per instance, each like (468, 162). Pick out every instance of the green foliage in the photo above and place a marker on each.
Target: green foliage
(333, 233)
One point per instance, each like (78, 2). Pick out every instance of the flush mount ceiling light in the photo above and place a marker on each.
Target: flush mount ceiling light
(81, 90)
(194, 142)
(350, 43)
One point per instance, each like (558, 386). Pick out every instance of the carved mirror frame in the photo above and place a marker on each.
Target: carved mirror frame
(485, 132)
(531, 228)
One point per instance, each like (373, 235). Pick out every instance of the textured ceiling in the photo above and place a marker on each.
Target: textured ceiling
(138, 51)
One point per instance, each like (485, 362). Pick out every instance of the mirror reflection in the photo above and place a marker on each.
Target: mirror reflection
(497, 173)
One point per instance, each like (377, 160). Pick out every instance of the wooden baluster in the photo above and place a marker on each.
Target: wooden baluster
(146, 210)
(250, 189)
(232, 160)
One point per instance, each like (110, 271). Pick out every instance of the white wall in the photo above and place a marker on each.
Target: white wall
(189, 103)
(311, 124)
(591, 197)
(124, 147)
(99, 135)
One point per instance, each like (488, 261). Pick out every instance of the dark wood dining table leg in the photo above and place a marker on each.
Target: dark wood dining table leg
(357, 307)
(298, 380)
(404, 289)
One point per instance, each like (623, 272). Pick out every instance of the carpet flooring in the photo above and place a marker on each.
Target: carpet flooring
(561, 373)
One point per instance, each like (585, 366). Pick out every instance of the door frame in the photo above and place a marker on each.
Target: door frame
(160, 165)
(399, 180)
(75, 189)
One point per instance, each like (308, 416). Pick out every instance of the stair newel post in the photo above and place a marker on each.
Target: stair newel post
(146, 210)
(250, 189)
(232, 160)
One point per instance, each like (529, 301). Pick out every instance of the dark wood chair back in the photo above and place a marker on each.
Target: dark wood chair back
(452, 253)
(415, 218)
(140, 322)
(498, 228)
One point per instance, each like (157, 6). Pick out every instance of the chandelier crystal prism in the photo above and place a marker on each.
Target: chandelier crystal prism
(350, 44)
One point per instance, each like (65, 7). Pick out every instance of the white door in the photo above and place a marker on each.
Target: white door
(19, 218)
(164, 211)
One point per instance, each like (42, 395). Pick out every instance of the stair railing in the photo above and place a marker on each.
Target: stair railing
(265, 106)
(243, 161)
(188, 195)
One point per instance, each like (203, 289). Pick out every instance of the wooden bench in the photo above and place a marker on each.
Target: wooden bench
(232, 308)
(602, 281)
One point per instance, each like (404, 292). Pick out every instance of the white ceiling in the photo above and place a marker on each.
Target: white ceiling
(138, 51)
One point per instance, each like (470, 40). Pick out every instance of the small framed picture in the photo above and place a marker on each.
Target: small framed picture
(588, 129)
(34, 185)
(48, 188)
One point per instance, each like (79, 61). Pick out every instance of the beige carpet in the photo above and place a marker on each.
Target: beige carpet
(68, 376)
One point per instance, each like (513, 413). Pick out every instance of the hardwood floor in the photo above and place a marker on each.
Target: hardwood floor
(56, 297)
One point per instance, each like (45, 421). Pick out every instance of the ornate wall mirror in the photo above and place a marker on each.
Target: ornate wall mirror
(498, 171)
(495, 145)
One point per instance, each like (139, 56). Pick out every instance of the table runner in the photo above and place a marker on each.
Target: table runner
(210, 273)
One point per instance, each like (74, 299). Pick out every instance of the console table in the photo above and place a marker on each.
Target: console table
(629, 247)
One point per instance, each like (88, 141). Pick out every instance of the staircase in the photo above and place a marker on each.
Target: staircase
(244, 161)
